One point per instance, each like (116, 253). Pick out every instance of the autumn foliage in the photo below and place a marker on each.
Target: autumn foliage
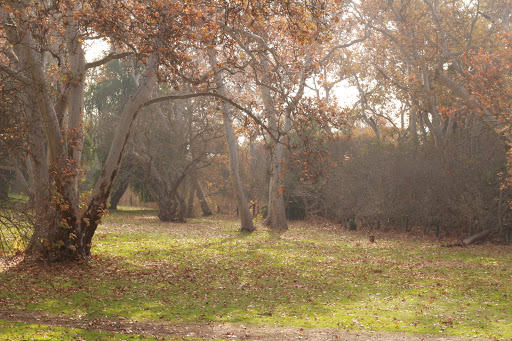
(433, 89)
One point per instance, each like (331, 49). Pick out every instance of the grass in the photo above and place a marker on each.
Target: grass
(14, 224)
(19, 197)
(205, 271)
(27, 331)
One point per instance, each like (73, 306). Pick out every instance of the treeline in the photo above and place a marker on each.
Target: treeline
(457, 189)
(183, 84)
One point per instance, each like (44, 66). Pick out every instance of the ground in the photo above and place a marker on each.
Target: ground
(204, 280)
(226, 331)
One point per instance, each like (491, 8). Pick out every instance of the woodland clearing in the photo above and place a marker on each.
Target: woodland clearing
(204, 280)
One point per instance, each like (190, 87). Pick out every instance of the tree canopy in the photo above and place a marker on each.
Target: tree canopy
(429, 128)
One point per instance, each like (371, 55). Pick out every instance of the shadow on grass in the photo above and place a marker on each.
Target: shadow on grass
(264, 278)
(125, 212)
(226, 283)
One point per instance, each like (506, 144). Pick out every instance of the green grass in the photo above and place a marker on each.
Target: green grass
(205, 271)
(26, 331)
(128, 210)
(20, 197)
(15, 228)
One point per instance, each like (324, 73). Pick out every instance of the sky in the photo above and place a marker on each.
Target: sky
(346, 95)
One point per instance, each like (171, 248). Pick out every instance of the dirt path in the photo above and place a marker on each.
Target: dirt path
(211, 330)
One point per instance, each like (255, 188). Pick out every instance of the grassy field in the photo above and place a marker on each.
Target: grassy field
(321, 277)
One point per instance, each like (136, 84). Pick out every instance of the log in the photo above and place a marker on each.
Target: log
(476, 237)
(473, 238)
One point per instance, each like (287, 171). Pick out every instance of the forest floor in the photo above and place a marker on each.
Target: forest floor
(204, 280)
(209, 331)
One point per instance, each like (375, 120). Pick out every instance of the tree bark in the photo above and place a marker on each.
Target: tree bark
(76, 94)
(48, 232)
(38, 173)
(205, 206)
(4, 184)
(118, 193)
(476, 237)
(246, 222)
(181, 208)
(413, 119)
(166, 208)
(172, 207)
(276, 215)
(191, 194)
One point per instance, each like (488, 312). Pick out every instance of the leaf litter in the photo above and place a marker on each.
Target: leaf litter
(312, 282)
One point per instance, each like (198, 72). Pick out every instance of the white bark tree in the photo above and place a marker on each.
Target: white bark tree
(43, 49)
(246, 223)
(54, 109)
(280, 79)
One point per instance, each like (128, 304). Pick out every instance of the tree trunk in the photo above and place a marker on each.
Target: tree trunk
(166, 208)
(191, 194)
(181, 208)
(51, 235)
(476, 237)
(172, 207)
(75, 106)
(5, 176)
(246, 222)
(205, 206)
(4, 190)
(276, 216)
(41, 187)
(118, 193)
(413, 119)
(58, 226)
(424, 135)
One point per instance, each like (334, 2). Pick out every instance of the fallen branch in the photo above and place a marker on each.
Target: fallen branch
(476, 237)
(472, 239)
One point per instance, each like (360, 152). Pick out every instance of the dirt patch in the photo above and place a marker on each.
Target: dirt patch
(226, 331)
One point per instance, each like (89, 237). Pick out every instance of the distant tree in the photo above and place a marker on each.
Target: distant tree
(170, 143)
(246, 221)
(108, 90)
(279, 47)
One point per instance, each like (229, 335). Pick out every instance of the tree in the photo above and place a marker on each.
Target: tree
(443, 68)
(246, 222)
(108, 89)
(170, 143)
(277, 44)
(12, 139)
(43, 50)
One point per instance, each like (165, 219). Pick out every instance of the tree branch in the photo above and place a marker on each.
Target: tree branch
(342, 46)
(216, 95)
(108, 58)
(13, 73)
(251, 35)
(446, 52)
(461, 92)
